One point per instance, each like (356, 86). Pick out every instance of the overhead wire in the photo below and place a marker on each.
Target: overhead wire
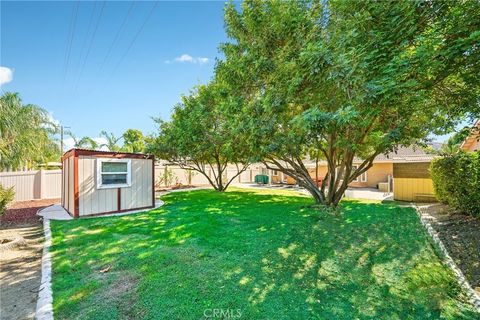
(117, 35)
(73, 23)
(92, 39)
(132, 42)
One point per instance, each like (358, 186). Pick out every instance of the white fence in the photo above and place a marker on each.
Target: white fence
(166, 176)
(30, 185)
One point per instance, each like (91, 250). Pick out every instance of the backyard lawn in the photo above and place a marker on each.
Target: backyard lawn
(261, 254)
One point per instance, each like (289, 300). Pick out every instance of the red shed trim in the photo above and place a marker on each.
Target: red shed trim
(75, 153)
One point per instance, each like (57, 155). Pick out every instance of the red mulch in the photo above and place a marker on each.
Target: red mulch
(20, 212)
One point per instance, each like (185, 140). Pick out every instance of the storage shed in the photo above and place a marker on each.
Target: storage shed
(100, 182)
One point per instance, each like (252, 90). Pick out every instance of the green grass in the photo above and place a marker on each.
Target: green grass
(261, 252)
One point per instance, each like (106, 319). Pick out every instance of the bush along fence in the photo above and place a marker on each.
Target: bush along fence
(456, 180)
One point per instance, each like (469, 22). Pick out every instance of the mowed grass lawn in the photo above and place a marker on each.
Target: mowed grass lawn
(261, 254)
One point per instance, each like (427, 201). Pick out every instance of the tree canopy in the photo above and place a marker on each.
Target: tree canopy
(26, 134)
(133, 141)
(201, 136)
(340, 80)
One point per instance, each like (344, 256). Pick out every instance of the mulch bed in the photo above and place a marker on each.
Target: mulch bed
(22, 212)
(461, 236)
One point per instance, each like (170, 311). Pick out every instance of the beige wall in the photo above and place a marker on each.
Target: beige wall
(93, 200)
(31, 185)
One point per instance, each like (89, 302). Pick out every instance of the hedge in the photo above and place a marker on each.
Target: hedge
(456, 180)
(6, 195)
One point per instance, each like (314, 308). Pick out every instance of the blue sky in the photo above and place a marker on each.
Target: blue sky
(67, 71)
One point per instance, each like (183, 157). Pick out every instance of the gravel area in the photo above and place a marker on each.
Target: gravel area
(20, 271)
(461, 236)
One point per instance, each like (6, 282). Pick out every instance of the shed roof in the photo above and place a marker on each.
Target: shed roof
(98, 153)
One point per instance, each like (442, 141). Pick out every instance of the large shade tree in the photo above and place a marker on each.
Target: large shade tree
(340, 80)
(201, 136)
(26, 134)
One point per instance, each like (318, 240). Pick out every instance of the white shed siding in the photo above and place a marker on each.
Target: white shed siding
(71, 195)
(140, 193)
(91, 199)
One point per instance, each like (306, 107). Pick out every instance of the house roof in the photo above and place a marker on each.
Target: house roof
(402, 155)
(472, 137)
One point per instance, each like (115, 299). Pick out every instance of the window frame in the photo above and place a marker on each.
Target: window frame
(360, 178)
(100, 185)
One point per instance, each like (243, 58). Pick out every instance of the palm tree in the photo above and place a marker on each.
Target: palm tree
(26, 134)
(111, 141)
(84, 143)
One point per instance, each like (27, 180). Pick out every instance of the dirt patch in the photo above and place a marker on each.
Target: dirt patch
(21, 234)
(21, 272)
(461, 236)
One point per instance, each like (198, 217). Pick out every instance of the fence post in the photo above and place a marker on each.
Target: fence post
(42, 184)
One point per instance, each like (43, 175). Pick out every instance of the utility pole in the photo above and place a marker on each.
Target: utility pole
(61, 137)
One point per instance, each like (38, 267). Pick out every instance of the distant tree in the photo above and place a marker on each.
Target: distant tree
(452, 146)
(112, 141)
(26, 134)
(348, 79)
(133, 141)
(85, 142)
(202, 137)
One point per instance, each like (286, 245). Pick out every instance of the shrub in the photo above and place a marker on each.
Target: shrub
(456, 180)
(6, 195)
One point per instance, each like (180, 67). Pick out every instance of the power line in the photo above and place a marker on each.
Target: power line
(135, 37)
(119, 31)
(73, 23)
(90, 22)
(91, 43)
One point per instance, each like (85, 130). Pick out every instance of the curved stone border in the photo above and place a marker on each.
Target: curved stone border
(44, 310)
(472, 295)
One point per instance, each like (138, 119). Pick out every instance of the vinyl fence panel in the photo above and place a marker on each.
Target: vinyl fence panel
(33, 185)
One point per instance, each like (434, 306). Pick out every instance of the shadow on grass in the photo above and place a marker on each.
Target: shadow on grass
(259, 251)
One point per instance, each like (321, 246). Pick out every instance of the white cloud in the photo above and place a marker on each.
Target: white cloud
(6, 75)
(188, 58)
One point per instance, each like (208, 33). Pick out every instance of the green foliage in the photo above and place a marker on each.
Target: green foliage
(348, 79)
(133, 141)
(26, 134)
(254, 250)
(456, 180)
(166, 179)
(6, 196)
(84, 143)
(203, 136)
(112, 141)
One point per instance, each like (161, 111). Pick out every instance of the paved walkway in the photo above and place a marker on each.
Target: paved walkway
(57, 212)
(353, 193)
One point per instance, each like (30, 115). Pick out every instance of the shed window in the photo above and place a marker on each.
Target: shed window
(113, 173)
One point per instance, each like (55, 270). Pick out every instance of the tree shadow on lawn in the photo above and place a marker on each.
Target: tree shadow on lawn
(260, 252)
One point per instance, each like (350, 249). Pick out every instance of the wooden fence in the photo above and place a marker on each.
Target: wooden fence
(31, 185)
